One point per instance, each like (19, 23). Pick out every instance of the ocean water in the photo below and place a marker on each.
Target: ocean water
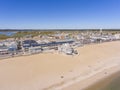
(7, 33)
(114, 85)
(110, 83)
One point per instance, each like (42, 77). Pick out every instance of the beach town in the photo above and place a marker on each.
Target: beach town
(59, 60)
(60, 42)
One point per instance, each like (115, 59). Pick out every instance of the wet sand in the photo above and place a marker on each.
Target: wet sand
(92, 82)
(107, 83)
(53, 71)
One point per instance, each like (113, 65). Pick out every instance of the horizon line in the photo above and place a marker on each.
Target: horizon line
(10, 30)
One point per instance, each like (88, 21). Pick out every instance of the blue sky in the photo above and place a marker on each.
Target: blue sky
(52, 14)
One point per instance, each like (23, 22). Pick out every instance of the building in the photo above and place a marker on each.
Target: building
(117, 36)
(4, 50)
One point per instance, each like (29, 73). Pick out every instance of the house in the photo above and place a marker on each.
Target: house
(3, 50)
(117, 36)
(29, 43)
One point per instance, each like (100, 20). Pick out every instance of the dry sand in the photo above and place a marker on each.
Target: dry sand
(52, 71)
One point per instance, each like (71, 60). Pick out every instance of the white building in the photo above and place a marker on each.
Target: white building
(117, 36)
(66, 48)
(3, 50)
(35, 49)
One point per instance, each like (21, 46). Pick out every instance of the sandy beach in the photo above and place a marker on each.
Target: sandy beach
(54, 71)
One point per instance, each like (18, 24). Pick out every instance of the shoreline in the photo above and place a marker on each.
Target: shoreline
(79, 83)
(104, 82)
(98, 77)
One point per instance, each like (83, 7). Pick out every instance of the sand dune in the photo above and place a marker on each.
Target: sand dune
(52, 71)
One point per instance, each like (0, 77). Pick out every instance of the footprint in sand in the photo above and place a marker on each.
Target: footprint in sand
(62, 76)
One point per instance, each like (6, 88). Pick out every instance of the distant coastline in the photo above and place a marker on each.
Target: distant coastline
(58, 30)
